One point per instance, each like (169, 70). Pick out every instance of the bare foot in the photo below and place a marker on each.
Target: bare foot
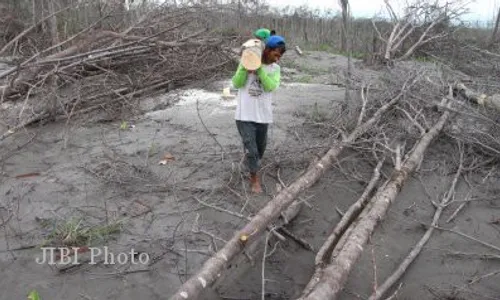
(255, 184)
(256, 188)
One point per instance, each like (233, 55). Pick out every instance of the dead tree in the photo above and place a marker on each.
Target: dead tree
(52, 17)
(343, 33)
(420, 20)
(346, 37)
(54, 32)
(495, 29)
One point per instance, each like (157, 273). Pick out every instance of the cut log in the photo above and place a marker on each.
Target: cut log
(298, 50)
(214, 266)
(334, 275)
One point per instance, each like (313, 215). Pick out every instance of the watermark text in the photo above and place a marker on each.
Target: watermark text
(73, 255)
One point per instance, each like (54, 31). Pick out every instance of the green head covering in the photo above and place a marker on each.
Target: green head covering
(262, 33)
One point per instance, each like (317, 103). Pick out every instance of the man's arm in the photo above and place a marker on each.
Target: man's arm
(271, 81)
(240, 77)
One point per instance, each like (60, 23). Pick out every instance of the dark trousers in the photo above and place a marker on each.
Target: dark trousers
(254, 137)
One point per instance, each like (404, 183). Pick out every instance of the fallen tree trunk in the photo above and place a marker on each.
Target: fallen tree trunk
(401, 269)
(214, 266)
(324, 254)
(480, 99)
(334, 276)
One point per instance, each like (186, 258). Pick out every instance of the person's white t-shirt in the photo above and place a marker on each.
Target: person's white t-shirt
(253, 103)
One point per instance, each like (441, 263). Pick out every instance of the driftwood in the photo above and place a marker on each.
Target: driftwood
(213, 268)
(332, 278)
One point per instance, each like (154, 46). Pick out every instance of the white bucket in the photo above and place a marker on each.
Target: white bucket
(251, 57)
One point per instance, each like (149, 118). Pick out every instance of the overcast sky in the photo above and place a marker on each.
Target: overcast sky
(482, 10)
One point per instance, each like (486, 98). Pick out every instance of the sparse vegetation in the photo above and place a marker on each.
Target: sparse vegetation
(75, 232)
(318, 115)
(305, 79)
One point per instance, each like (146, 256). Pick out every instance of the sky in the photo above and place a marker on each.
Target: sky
(480, 10)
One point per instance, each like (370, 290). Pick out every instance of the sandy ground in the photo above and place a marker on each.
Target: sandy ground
(103, 173)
